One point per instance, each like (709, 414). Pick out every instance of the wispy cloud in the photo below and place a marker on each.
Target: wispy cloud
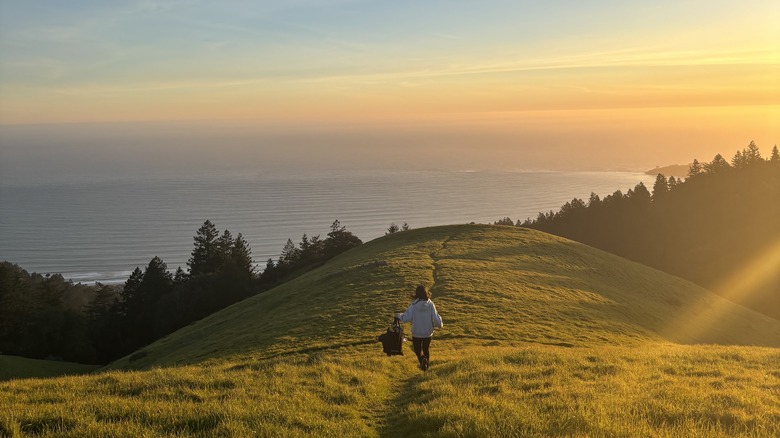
(640, 57)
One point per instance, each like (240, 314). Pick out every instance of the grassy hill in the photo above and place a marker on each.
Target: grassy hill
(543, 336)
(12, 367)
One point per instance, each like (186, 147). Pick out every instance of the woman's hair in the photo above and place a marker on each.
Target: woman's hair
(422, 294)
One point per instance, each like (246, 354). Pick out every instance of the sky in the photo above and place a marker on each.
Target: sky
(598, 83)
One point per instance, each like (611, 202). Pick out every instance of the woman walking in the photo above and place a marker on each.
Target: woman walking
(424, 317)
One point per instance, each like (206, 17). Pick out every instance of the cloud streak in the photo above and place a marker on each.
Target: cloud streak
(310, 56)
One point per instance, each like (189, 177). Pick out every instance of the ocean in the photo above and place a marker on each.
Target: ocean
(100, 229)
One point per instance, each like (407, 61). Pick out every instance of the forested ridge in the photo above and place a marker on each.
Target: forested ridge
(48, 317)
(714, 228)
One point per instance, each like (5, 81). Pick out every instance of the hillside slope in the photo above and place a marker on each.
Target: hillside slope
(543, 337)
(502, 284)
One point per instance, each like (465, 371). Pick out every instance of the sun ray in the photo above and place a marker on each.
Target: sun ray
(698, 323)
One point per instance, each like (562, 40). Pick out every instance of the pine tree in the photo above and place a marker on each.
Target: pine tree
(405, 227)
(204, 255)
(180, 276)
(336, 227)
(694, 169)
(224, 250)
(103, 323)
(128, 296)
(304, 245)
(752, 155)
(738, 161)
(672, 183)
(660, 187)
(640, 194)
(241, 255)
(139, 327)
(718, 164)
(315, 248)
(747, 157)
(101, 303)
(270, 273)
(775, 158)
(290, 254)
(392, 229)
(156, 282)
(339, 240)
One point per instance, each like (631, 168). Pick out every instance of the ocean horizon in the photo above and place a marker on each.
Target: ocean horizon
(99, 230)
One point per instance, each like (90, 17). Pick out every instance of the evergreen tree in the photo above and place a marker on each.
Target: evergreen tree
(315, 249)
(304, 245)
(180, 276)
(640, 194)
(406, 227)
(339, 240)
(672, 184)
(101, 303)
(694, 169)
(739, 160)
(336, 227)
(141, 321)
(751, 154)
(747, 157)
(660, 187)
(156, 282)
(290, 254)
(102, 323)
(392, 229)
(567, 209)
(593, 200)
(127, 311)
(718, 164)
(204, 258)
(241, 255)
(775, 158)
(128, 296)
(224, 249)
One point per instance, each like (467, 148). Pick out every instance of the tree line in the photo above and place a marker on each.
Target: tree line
(39, 320)
(706, 228)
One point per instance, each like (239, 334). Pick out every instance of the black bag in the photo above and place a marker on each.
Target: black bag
(392, 341)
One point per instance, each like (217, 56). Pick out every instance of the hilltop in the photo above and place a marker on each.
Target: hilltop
(504, 284)
(543, 336)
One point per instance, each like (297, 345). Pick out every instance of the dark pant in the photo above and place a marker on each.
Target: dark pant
(422, 344)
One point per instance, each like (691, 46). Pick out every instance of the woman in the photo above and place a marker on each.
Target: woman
(423, 316)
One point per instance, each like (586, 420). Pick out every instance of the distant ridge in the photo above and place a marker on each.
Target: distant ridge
(675, 170)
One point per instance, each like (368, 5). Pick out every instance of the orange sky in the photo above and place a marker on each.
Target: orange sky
(663, 74)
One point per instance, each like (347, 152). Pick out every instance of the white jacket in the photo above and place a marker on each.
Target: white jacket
(423, 316)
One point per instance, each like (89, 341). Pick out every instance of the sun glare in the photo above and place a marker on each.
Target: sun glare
(703, 317)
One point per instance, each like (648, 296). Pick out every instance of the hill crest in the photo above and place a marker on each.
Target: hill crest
(492, 284)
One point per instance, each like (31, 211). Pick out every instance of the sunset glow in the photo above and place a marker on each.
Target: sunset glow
(605, 86)
(356, 61)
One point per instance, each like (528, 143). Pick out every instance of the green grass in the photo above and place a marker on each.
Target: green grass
(12, 367)
(543, 336)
